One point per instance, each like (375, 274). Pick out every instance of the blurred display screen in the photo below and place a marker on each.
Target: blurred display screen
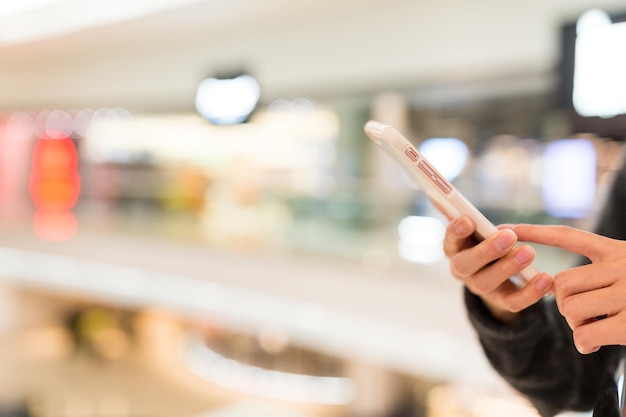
(591, 70)
(600, 66)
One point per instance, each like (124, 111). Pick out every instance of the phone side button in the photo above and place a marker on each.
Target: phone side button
(411, 153)
(435, 177)
(424, 166)
(442, 184)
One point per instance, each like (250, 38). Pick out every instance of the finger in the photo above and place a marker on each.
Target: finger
(584, 307)
(494, 274)
(499, 272)
(517, 299)
(589, 337)
(564, 237)
(586, 278)
(468, 262)
(457, 237)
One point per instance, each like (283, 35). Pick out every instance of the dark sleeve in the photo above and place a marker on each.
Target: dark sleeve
(536, 356)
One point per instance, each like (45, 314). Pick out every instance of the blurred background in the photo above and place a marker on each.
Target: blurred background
(193, 223)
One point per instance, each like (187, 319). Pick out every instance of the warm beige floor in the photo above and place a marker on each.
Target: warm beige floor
(42, 366)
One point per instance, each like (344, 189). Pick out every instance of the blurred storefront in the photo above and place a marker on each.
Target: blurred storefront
(173, 264)
(297, 181)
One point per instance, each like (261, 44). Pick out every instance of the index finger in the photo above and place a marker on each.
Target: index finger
(573, 240)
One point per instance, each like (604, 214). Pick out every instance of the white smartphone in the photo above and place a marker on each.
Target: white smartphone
(438, 189)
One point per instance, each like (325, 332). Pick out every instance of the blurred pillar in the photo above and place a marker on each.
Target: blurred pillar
(393, 109)
(351, 164)
(352, 147)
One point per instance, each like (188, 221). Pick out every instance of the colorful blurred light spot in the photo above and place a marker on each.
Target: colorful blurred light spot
(54, 187)
(54, 179)
(569, 178)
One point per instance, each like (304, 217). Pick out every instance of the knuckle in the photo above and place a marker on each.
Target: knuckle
(562, 282)
(512, 305)
(480, 286)
(564, 230)
(567, 307)
(449, 249)
(558, 282)
(455, 273)
(565, 233)
(523, 299)
(582, 339)
(458, 269)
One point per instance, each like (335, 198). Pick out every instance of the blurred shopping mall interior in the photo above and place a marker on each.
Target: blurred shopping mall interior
(193, 222)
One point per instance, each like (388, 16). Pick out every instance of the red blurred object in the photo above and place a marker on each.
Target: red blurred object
(55, 226)
(54, 178)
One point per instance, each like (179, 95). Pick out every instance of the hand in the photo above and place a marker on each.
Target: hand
(586, 293)
(485, 268)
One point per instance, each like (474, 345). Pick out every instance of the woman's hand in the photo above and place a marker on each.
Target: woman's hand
(485, 268)
(592, 298)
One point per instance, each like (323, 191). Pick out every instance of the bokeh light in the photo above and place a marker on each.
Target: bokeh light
(229, 100)
(569, 178)
(421, 239)
(448, 155)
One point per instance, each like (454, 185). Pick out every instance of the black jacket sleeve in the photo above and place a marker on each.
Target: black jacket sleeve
(537, 355)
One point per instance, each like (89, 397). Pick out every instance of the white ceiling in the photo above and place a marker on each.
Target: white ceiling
(316, 48)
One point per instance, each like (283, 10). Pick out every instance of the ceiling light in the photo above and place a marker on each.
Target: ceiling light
(227, 100)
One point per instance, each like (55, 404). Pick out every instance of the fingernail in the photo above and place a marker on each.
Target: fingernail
(505, 239)
(524, 255)
(543, 283)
